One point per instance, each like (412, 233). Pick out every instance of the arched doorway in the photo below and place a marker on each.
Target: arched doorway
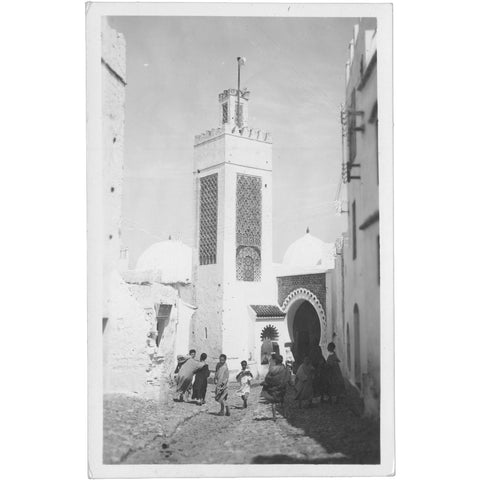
(306, 322)
(306, 331)
(356, 328)
(349, 355)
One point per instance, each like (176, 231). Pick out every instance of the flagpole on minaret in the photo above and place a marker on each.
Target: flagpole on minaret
(240, 61)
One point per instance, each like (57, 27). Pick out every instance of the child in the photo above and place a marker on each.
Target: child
(336, 384)
(221, 382)
(244, 378)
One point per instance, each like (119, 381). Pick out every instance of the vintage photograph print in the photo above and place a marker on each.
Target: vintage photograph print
(240, 240)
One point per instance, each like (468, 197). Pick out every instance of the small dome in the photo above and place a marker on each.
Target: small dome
(310, 251)
(170, 259)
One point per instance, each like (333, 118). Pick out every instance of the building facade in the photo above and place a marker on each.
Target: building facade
(113, 122)
(360, 252)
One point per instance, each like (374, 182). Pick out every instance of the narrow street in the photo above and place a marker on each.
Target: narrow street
(322, 434)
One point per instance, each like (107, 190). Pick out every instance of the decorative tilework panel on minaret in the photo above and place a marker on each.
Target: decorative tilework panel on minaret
(249, 228)
(208, 219)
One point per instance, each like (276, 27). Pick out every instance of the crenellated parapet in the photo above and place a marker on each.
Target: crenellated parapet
(233, 92)
(244, 132)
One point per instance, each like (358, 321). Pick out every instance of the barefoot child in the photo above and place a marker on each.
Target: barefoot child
(244, 378)
(221, 382)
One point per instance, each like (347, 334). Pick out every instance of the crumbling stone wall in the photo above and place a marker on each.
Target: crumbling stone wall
(134, 363)
(125, 341)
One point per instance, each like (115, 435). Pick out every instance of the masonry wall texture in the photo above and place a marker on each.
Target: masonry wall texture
(314, 282)
(113, 120)
(126, 358)
(134, 363)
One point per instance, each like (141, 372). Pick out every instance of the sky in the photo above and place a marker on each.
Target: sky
(177, 66)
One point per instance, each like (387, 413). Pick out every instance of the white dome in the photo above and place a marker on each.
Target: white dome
(170, 259)
(310, 251)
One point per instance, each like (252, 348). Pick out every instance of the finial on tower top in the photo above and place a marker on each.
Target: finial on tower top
(308, 230)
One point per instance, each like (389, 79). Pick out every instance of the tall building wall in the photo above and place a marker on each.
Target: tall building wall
(113, 65)
(113, 121)
(206, 333)
(239, 294)
(361, 253)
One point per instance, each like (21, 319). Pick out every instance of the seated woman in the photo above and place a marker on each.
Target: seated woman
(304, 382)
(275, 384)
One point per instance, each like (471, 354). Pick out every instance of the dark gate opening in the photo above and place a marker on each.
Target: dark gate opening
(306, 331)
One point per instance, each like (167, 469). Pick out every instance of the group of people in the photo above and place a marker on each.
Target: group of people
(320, 377)
(188, 367)
(315, 377)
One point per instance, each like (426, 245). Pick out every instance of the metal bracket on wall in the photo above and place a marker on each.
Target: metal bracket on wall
(349, 167)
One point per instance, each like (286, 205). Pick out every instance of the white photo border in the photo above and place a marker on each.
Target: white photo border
(94, 12)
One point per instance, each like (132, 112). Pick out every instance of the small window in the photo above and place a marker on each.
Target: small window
(239, 114)
(376, 147)
(374, 120)
(349, 355)
(356, 328)
(352, 124)
(162, 315)
(378, 259)
(248, 269)
(206, 332)
(225, 112)
(354, 230)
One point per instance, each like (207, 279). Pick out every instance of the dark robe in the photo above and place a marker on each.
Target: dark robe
(320, 379)
(200, 383)
(336, 384)
(221, 382)
(315, 355)
(275, 384)
(304, 382)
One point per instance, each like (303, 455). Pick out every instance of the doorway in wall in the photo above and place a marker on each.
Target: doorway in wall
(306, 331)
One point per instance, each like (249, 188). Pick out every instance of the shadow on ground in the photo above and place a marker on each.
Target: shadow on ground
(287, 459)
(340, 430)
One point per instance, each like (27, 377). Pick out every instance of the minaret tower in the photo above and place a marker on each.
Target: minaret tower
(233, 230)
